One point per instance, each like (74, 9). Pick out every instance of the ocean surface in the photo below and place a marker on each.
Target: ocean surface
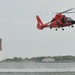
(22, 68)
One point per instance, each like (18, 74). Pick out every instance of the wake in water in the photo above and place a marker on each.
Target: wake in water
(39, 70)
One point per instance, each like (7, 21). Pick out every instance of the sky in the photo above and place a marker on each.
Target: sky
(20, 36)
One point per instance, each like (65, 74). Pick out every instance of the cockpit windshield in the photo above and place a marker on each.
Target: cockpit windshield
(69, 19)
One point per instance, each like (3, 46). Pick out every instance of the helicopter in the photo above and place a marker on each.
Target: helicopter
(59, 21)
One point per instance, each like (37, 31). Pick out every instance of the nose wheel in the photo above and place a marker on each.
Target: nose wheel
(72, 26)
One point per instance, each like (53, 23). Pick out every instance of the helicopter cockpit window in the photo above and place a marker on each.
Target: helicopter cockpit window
(69, 19)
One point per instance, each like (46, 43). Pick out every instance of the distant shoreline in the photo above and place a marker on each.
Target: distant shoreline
(43, 59)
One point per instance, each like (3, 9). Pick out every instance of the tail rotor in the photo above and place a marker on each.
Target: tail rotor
(39, 23)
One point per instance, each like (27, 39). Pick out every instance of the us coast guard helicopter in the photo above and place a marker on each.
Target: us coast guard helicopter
(59, 21)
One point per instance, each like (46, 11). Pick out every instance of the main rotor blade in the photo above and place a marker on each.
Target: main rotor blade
(67, 10)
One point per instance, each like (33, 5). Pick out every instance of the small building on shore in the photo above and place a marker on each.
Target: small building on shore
(48, 59)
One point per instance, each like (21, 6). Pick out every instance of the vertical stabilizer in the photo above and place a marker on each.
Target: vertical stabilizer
(39, 20)
(39, 23)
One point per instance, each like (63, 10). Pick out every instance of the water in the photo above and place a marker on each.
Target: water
(37, 68)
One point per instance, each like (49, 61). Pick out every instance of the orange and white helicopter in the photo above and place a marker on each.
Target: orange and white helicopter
(59, 21)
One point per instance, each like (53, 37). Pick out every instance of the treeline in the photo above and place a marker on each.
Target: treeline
(39, 59)
(64, 58)
(35, 59)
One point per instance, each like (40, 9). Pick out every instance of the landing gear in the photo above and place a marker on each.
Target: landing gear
(63, 29)
(56, 29)
(72, 26)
